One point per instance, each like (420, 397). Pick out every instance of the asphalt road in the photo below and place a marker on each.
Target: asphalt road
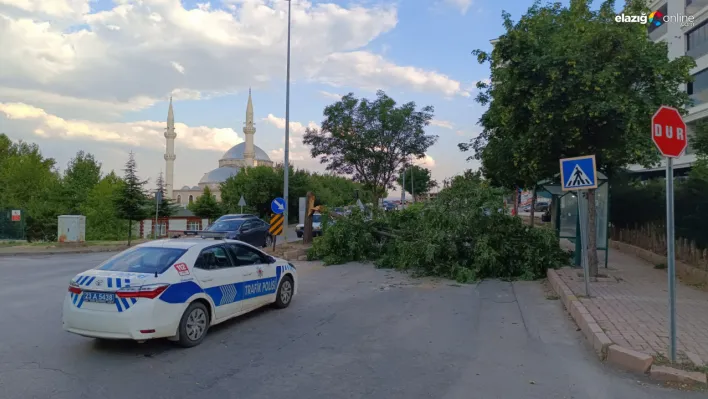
(352, 332)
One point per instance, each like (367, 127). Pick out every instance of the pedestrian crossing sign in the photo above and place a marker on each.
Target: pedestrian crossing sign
(579, 173)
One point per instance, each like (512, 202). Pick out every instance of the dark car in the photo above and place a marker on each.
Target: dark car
(236, 216)
(249, 230)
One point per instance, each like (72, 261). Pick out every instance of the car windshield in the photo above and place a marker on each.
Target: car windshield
(226, 225)
(316, 218)
(143, 260)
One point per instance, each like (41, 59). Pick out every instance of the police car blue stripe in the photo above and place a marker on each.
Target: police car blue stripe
(110, 282)
(81, 301)
(127, 282)
(117, 283)
(120, 309)
(134, 300)
(89, 281)
(81, 280)
(125, 303)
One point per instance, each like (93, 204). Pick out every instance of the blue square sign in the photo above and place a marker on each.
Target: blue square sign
(579, 173)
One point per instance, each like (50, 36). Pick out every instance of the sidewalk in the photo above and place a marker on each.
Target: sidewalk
(632, 308)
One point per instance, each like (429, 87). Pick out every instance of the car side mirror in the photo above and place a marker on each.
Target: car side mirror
(271, 259)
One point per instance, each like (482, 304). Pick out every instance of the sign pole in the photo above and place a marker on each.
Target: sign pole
(157, 211)
(668, 132)
(670, 253)
(579, 174)
(583, 216)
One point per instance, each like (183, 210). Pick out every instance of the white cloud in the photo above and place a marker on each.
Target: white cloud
(146, 48)
(427, 161)
(440, 123)
(462, 5)
(53, 8)
(297, 130)
(143, 134)
(178, 67)
(333, 96)
(371, 71)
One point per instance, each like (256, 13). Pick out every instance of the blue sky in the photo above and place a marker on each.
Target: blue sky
(107, 93)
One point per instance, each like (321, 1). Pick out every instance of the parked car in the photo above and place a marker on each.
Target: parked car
(316, 226)
(247, 229)
(236, 216)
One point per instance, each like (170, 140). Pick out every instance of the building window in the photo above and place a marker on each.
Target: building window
(698, 89)
(697, 41)
(179, 199)
(191, 199)
(194, 225)
(161, 229)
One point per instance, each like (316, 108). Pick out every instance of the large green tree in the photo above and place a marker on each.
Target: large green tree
(102, 222)
(81, 175)
(131, 202)
(570, 81)
(30, 182)
(206, 206)
(417, 180)
(371, 140)
(259, 185)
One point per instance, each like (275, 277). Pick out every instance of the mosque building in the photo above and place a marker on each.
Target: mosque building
(241, 155)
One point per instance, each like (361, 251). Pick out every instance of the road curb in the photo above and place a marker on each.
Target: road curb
(40, 251)
(592, 331)
(627, 359)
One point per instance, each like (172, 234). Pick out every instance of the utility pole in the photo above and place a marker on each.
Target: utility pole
(286, 172)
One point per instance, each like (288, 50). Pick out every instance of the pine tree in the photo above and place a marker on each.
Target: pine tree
(131, 202)
(206, 206)
(167, 207)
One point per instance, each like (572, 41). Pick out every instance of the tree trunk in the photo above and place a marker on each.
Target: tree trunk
(516, 202)
(130, 230)
(533, 206)
(307, 231)
(592, 234)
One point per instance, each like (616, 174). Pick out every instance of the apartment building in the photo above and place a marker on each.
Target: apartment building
(688, 38)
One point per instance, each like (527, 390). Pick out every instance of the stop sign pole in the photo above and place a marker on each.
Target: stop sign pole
(669, 134)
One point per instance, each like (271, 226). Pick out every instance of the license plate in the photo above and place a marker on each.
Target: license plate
(99, 297)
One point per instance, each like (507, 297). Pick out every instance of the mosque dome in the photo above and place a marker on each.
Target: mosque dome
(238, 151)
(219, 175)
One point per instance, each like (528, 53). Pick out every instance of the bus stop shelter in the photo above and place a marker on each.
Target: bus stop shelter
(565, 216)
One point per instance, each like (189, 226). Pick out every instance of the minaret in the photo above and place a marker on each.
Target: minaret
(249, 130)
(170, 153)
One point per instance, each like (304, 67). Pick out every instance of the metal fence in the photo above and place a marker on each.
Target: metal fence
(13, 224)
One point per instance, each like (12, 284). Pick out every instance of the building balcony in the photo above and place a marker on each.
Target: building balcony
(657, 33)
(693, 6)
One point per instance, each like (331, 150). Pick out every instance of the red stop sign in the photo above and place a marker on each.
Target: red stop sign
(668, 131)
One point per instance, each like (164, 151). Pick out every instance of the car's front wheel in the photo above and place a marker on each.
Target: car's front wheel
(285, 293)
(194, 325)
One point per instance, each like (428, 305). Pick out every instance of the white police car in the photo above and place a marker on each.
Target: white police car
(175, 289)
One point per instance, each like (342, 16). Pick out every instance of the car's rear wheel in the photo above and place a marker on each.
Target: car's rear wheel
(194, 325)
(268, 241)
(285, 293)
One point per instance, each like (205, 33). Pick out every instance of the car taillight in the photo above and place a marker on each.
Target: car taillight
(74, 288)
(150, 291)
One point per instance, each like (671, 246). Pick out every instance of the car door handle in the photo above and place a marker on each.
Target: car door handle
(248, 274)
(206, 279)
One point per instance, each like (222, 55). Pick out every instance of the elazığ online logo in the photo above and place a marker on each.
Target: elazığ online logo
(656, 18)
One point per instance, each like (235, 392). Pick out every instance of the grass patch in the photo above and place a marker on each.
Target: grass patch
(660, 266)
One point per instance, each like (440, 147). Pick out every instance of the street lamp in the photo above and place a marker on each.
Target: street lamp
(287, 130)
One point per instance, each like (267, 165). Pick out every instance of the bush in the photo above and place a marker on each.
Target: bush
(458, 236)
